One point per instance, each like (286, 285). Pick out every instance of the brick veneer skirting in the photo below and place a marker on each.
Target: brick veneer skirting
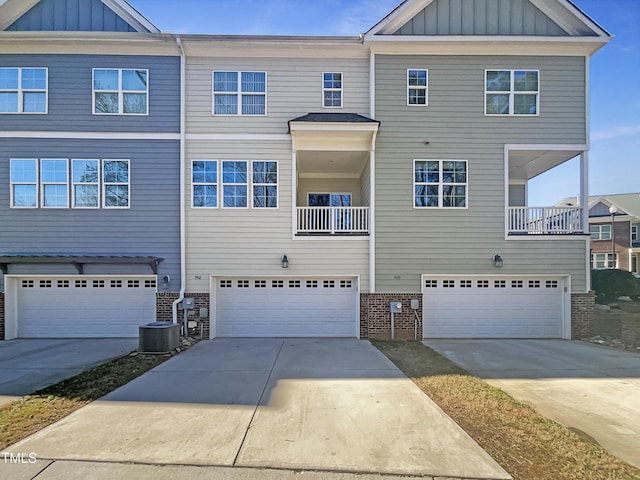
(164, 301)
(1, 315)
(582, 317)
(375, 317)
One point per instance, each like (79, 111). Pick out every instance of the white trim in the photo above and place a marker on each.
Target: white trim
(20, 91)
(511, 93)
(415, 87)
(440, 184)
(243, 137)
(120, 92)
(340, 90)
(544, 146)
(131, 16)
(43, 184)
(372, 176)
(89, 135)
(194, 184)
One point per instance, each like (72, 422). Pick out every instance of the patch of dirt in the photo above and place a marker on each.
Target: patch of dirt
(526, 444)
(31, 413)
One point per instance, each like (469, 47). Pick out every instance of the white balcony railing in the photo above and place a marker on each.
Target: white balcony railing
(333, 220)
(544, 220)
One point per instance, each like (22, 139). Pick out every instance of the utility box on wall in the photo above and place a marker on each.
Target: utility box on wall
(395, 307)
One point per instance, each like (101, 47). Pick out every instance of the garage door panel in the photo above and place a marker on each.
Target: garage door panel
(458, 307)
(277, 307)
(84, 306)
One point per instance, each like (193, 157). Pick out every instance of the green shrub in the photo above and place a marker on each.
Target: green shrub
(611, 284)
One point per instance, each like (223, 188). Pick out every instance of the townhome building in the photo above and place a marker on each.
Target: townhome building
(366, 186)
(89, 168)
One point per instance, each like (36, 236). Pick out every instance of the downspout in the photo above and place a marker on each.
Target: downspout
(183, 268)
(372, 177)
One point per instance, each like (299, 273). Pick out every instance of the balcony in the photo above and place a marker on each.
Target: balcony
(332, 220)
(544, 220)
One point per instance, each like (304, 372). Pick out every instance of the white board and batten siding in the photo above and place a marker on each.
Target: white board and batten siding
(496, 306)
(285, 306)
(81, 306)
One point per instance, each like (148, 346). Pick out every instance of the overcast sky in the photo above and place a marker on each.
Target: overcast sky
(615, 70)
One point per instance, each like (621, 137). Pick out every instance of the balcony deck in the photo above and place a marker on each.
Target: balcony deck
(332, 221)
(544, 221)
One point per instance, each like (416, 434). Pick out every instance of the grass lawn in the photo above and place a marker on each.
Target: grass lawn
(523, 442)
(31, 413)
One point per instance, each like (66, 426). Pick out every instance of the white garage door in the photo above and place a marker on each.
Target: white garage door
(63, 307)
(492, 307)
(286, 307)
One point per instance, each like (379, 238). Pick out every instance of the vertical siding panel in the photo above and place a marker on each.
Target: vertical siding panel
(516, 18)
(492, 17)
(97, 18)
(431, 19)
(455, 17)
(418, 23)
(504, 17)
(443, 9)
(468, 18)
(529, 19)
(48, 15)
(109, 19)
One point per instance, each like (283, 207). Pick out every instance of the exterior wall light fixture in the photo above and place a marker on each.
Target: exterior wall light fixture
(285, 261)
(497, 261)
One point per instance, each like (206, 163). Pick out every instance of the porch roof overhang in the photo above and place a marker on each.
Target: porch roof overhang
(529, 161)
(346, 132)
(79, 261)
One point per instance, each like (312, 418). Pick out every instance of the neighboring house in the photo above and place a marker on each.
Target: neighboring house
(326, 179)
(625, 231)
(89, 165)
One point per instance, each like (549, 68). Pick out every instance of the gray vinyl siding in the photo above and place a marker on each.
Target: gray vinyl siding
(409, 241)
(518, 196)
(70, 94)
(236, 241)
(481, 17)
(294, 88)
(71, 16)
(599, 210)
(149, 227)
(365, 186)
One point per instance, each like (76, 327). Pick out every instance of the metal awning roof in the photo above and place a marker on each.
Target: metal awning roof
(79, 261)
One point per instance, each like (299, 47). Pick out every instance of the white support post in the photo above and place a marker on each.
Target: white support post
(584, 190)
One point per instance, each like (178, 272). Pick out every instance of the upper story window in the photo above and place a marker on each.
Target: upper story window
(23, 90)
(239, 93)
(120, 91)
(332, 90)
(600, 232)
(440, 183)
(634, 233)
(604, 260)
(45, 183)
(512, 92)
(234, 180)
(417, 87)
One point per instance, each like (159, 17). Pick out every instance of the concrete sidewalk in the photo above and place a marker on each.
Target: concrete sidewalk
(592, 389)
(297, 404)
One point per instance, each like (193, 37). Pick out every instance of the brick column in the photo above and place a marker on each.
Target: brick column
(164, 301)
(375, 317)
(1, 315)
(582, 316)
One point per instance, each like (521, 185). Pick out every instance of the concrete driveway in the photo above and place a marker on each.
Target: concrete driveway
(325, 404)
(593, 389)
(27, 365)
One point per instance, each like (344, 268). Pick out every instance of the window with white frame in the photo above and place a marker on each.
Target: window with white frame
(45, 183)
(601, 261)
(417, 87)
(265, 184)
(120, 91)
(240, 178)
(634, 233)
(600, 232)
(440, 183)
(204, 177)
(332, 90)
(23, 90)
(115, 183)
(54, 177)
(24, 182)
(512, 92)
(239, 93)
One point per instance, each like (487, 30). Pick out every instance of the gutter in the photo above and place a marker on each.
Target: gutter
(183, 267)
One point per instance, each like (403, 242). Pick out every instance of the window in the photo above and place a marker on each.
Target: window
(115, 183)
(417, 87)
(512, 92)
(23, 90)
(332, 90)
(234, 184)
(600, 232)
(265, 184)
(204, 175)
(634, 233)
(24, 183)
(54, 176)
(603, 260)
(329, 199)
(440, 183)
(237, 182)
(120, 91)
(239, 93)
(86, 183)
